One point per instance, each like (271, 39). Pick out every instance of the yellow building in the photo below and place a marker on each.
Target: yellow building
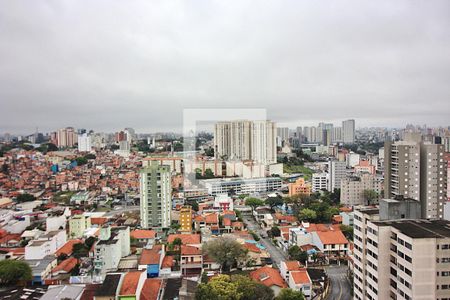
(186, 218)
(77, 225)
(299, 187)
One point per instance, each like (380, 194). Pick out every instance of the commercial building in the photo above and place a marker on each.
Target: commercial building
(241, 186)
(245, 140)
(156, 195)
(416, 170)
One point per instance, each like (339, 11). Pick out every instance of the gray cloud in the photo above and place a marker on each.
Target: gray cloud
(110, 64)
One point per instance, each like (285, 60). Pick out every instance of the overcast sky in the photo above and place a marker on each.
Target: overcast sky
(105, 65)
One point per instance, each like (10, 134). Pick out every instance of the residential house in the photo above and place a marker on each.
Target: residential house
(132, 284)
(191, 260)
(269, 277)
(288, 266)
(300, 281)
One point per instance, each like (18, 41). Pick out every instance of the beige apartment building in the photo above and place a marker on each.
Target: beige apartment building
(416, 170)
(352, 188)
(246, 140)
(400, 259)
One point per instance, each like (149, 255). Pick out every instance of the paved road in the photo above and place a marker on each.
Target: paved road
(275, 253)
(340, 286)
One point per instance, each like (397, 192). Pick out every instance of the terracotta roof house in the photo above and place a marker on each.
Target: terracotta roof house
(288, 266)
(186, 239)
(269, 277)
(130, 283)
(152, 289)
(300, 281)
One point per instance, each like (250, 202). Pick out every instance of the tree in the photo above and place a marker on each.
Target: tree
(81, 161)
(296, 253)
(220, 287)
(370, 196)
(225, 251)
(237, 287)
(51, 147)
(274, 231)
(254, 202)
(290, 294)
(177, 242)
(308, 215)
(347, 231)
(80, 250)
(274, 201)
(251, 290)
(90, 156)
(329, 213)
(12, 271)
(25, 198)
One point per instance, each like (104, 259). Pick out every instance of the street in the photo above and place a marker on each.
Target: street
(275, 253)
(340, 286)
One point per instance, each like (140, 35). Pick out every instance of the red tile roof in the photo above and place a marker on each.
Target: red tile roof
(186, 239)
(67, 247)
(151, 289)
(212, 218)
(292, 265)
(143, 234)
(252, 247)
(98, 221)
(300, 277)
(89, 291)
(189, 250)
(226, 222)
(268, 276)
(168, 261)
(332, 237)
(130, 283)
(150, 256)
(66, 265)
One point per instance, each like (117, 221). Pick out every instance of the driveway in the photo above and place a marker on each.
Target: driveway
(340, 285)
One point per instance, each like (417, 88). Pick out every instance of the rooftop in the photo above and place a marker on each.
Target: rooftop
(109, 286)
(130, 283)
(151, 289)
(420, 229)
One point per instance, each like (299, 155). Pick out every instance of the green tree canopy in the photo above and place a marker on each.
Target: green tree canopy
(347, 231)
(12, 271)
(290, 294)
(370, 196)
(274, 201)
(25, 198)
(236, 287)
(308, 215)
(225, 251)
(296, 253)
(254, 202)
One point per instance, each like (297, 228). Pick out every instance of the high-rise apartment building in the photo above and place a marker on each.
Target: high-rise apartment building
(246, 140)
(416, 170)
(66, 137)
(84, 142)
(348, 131)
(156, 195)
(282, 135)
(337, 171)
(352, 189)
(400, 259)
